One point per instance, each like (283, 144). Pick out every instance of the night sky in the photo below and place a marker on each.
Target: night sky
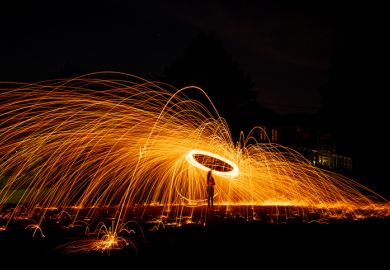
(286, 49)
(320, 58)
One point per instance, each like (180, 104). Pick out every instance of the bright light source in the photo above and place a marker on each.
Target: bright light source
(220, 165)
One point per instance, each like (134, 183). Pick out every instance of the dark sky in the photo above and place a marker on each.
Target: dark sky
(287, 49)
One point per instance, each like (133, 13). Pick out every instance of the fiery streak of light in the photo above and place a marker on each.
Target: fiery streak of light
(117, 140)
(36, 228)
(103, 240)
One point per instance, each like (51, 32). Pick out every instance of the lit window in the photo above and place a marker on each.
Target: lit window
(275, 135)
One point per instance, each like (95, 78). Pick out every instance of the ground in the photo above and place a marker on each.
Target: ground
(224, 240)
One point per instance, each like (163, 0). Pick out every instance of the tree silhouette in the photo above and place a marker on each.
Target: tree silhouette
(208, 65)
(66, 71)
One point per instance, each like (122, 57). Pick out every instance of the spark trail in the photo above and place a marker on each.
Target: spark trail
(114, 140)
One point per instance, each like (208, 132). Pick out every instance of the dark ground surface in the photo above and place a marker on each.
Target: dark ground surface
(222, 242)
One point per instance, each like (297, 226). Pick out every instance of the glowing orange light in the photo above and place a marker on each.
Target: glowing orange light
(230, 167)
(94, 141)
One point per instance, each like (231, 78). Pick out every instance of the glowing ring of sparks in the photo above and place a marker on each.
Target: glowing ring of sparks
(233, 168)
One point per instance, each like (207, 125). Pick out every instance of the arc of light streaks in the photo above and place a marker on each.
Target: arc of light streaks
(111, 139)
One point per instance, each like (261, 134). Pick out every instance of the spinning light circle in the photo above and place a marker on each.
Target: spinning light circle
(206, 160)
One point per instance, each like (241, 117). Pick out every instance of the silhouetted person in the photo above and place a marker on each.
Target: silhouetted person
(210, 189)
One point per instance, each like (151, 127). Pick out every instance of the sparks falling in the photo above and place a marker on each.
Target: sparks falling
(115, 140)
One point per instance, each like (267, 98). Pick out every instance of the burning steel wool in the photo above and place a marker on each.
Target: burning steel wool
(115, 140)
